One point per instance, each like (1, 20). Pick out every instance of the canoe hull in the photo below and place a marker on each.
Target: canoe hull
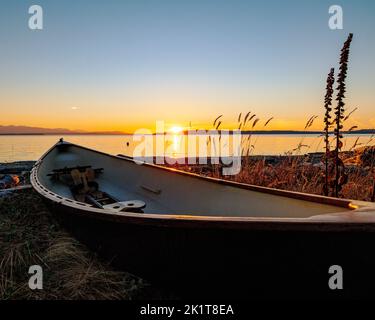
(256, 252)
(231, 263)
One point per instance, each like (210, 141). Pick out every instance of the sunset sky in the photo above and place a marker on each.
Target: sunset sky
(122, 65)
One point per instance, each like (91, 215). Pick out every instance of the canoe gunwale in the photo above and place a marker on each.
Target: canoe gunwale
(361, 217)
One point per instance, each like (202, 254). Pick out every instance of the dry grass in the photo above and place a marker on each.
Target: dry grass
(29, 235)
(295, 171)
(300, 173)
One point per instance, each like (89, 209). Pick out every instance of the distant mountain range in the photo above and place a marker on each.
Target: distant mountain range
(25, 130)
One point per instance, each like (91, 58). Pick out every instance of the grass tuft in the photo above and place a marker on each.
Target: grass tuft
(29, 235)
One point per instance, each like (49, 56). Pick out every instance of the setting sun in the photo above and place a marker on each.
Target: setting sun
(176, 129)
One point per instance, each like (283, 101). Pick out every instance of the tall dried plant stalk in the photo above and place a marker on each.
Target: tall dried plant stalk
(340, 108)
(327, 123)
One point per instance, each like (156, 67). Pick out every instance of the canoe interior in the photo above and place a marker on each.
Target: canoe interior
(166, 192)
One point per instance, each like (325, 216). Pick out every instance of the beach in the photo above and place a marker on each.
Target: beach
(32, 235)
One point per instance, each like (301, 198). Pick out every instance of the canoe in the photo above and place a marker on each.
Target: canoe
(201, 235)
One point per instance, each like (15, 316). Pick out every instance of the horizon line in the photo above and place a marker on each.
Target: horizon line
(109, 133)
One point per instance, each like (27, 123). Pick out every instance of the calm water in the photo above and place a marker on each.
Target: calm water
(31, 147)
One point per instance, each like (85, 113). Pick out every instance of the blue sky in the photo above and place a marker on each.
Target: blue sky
(124, 64)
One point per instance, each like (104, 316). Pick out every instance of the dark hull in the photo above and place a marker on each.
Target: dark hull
(267, 261)
(208, 238)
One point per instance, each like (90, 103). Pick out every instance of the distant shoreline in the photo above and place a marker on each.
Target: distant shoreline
(65, 134)
(255, 132)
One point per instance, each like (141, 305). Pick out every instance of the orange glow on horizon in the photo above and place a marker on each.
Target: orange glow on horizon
(117, 125)
(81, 118)
(176, 129)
